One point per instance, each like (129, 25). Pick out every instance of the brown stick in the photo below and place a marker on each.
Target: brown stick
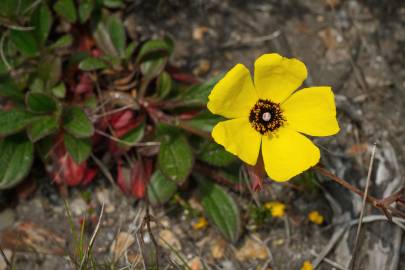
(345, 184)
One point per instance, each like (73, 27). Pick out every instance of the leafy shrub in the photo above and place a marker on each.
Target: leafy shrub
(75, 90)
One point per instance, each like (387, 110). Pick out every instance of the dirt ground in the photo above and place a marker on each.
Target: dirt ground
(357, 47)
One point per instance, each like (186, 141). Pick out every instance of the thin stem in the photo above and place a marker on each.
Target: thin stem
(345, 184)
(356, 241)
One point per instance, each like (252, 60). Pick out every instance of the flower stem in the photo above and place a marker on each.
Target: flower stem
(382, 204)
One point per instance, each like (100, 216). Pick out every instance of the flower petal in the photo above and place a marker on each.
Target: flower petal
(277, 77)
(287, 153)
(234, 95)
(239, 138)
(312, 111)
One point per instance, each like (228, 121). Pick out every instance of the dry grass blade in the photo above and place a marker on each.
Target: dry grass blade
(3, 255)
(356, 242)
(92, 239)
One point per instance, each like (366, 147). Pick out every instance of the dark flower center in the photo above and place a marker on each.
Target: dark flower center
(266, 116)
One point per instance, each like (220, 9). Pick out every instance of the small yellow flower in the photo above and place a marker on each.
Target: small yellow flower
(200, 224)
(277, 209)
(266, 115)
(307, 266)
(315, 217)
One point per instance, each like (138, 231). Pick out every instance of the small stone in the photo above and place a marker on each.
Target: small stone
(121, 243)
(195, 264)
(168, 240)
(218, 248)
(203, 67)
(78, 206)
(251, 250)
(103, 196)
(199, 32)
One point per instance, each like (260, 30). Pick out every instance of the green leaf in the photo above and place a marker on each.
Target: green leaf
(85, 9)
(42, 23)
(8, 8)
(92, 63)
(40, 103)
(220, 208)
(113, 3)
(132, 137)
(204, 121)
(160, 189)
(79, 149)
(103, 40)
(10, 90)
(63, 41)
(59, 90)
(152, 68)
(175, 156)
(77, 123)
(164, 84)
(66, 9)
(130, 50)
(153, 49)
(42, 127)
(198, 94)
(50, 70)
(25, 42)
(117, 34)
(13, 121)
(16, 156)
(215, 154)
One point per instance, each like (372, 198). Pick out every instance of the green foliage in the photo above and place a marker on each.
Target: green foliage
(85, 9)
(76, 122)
(175, 156)
(25, 42)
(40, 103)
(14, 121)
(117, 33)
(66, 9)
(220, 208)
(215, 154)
(78, 148)
(42, 23)
(164, 85)
(160, 189)
(73, 83)
(16, 156)
(92, 63)
(133, 136)
(197, 95)
(42, 127)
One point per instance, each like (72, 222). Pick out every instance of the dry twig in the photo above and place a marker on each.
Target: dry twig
(356, 242)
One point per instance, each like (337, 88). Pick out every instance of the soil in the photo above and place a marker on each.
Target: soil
(357, 47)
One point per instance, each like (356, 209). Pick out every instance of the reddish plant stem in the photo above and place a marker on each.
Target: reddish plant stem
(345, 184)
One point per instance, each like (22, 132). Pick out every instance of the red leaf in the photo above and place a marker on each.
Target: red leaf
(121, 119)
(85, 84)
(181, 76)
(140, 173)
(89, 176)
(189, 115)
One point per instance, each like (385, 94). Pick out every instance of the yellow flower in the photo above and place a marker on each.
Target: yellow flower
(277, 209)
(200, 224)
(315, 217)
(266, 115)
(307, 266)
